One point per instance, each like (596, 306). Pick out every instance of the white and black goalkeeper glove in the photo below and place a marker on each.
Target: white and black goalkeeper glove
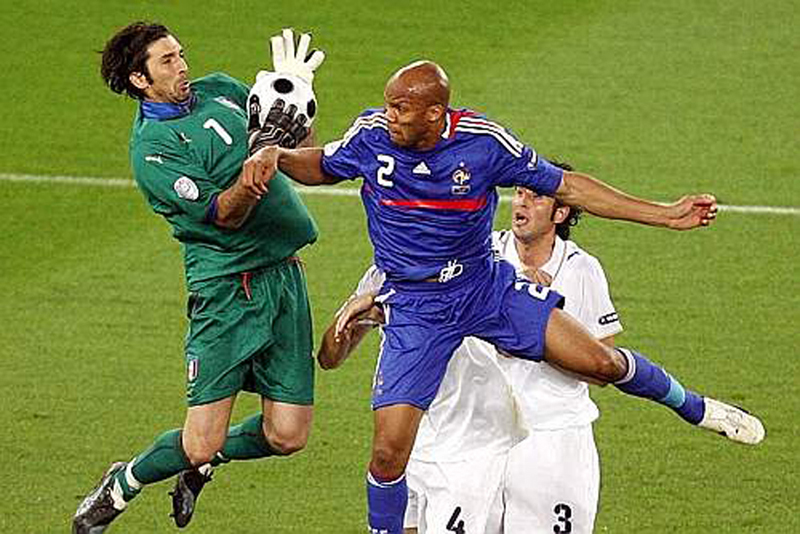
(283, 126)
(290, 59)
(281, 105)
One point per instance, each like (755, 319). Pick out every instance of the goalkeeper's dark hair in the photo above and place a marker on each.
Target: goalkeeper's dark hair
(126, 52)
(564, 227)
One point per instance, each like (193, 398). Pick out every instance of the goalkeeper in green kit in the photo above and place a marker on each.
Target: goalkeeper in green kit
(194, 156)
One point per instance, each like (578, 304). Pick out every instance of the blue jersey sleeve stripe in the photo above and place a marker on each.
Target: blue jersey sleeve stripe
(503, 140)
(368, 122)
(493, 126)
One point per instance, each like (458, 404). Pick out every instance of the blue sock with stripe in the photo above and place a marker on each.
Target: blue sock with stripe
(648, 380)
(386, 503)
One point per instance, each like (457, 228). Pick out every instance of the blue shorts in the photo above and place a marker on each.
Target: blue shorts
(426, 322)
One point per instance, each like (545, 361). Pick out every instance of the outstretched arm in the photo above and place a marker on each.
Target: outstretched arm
(600, 199)
(304, 165)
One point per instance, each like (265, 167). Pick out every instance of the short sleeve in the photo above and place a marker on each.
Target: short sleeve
(597, 311)
(529, 170)
(343, 157)
(371, 281)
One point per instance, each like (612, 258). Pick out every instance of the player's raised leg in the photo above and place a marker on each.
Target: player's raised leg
(573, 348)
(196, 444)
(387, 493)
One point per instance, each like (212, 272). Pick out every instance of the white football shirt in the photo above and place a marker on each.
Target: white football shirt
(548, 398)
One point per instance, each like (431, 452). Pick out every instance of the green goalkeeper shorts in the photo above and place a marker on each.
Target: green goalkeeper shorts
(251, 332)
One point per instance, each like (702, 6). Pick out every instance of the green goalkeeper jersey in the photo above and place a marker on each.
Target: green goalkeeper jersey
(181, 164)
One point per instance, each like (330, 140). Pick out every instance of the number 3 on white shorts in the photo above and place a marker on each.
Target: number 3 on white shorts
(534, 290)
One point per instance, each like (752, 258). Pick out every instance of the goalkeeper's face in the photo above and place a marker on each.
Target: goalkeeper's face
(167, 76)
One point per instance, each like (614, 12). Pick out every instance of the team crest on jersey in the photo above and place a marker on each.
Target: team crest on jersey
(461, 178)
(186, 189)
(228, 103)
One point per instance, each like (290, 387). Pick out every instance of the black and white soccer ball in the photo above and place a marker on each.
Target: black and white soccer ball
(271, 86)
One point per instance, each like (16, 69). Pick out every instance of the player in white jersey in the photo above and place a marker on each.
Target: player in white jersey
(553, 476)
(472, 470)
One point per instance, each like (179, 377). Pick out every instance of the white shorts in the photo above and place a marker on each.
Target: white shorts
(552, 483)
(462, 496)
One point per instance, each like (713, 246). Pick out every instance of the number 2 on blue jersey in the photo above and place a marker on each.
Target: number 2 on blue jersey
(386, 169)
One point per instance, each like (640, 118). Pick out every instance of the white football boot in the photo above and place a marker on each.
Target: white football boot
(732, 422)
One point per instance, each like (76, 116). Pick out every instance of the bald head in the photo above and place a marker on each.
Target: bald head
(423, 80)
(416, 99)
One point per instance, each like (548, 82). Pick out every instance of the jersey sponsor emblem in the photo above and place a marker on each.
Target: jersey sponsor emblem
(184, 138)
(186, 188)
(155, 159)
(461, 177)
(452, 270)
(421, 168)
(608, 318)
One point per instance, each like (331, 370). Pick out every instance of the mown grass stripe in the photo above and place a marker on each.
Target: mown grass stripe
(324, 190)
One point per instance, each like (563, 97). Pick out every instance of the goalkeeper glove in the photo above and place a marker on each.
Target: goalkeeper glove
(286, 59)
(283, 126)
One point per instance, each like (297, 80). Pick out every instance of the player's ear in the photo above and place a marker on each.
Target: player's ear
(139, 80)
(434, 112)
(560, 214)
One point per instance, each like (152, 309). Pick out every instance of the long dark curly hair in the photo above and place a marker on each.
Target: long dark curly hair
(126, 52)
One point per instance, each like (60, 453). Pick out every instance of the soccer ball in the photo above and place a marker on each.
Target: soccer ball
(271, 86)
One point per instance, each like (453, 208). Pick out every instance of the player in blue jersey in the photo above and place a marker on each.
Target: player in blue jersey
(430, 177)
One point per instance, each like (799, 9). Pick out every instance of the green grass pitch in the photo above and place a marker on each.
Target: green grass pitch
(658, 98)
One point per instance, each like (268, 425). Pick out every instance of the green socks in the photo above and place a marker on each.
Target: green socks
(165, 458)
(245, 441)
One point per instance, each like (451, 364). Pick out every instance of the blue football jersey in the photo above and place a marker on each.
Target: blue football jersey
(430, 211)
